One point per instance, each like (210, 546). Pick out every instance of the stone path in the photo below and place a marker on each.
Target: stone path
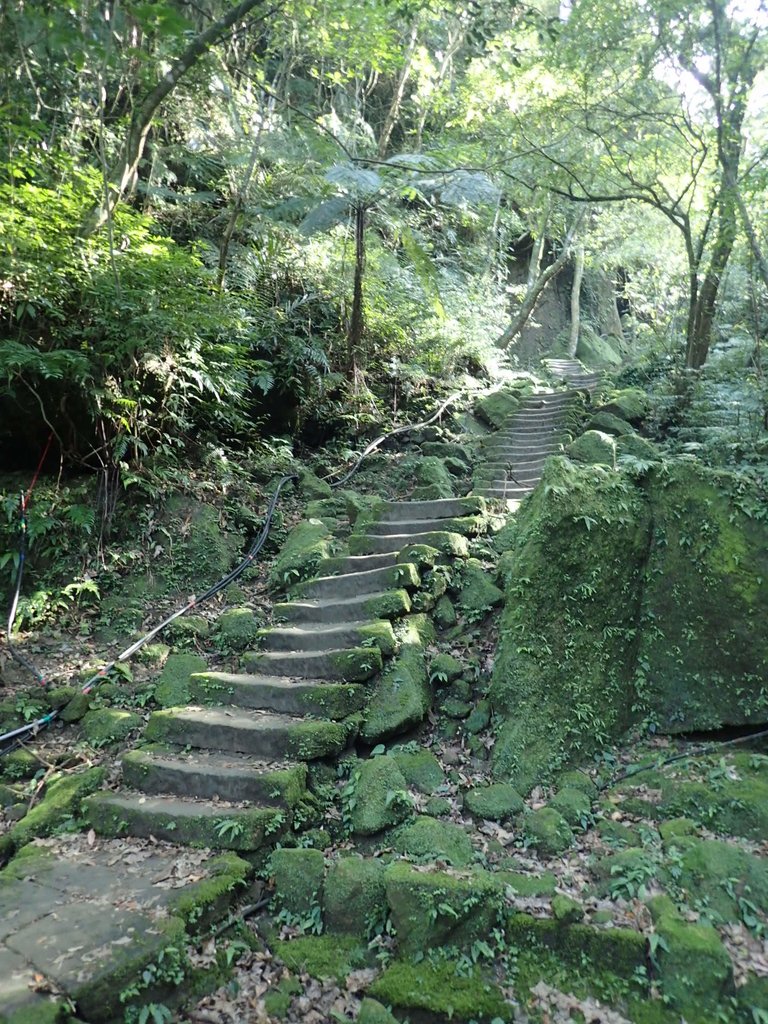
(229, 771)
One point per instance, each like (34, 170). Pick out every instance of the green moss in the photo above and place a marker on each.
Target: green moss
(375, 808)
(479, 718)
(357, 663)
(19, 764)
(440, 991)
(496, 802)
(444, 668)
(60, 696)
(200, 902)
(547, 831)
(423, 556)
(693, 966)
(566, 910)
(77, 708)
(237, 629)
(619, 951)
(323, 956)
(593, 447)
(444, 613)
(153, 655)
(355, 900)
(673, 830)
(573, 804)
(307, 543)
(638, 448)
(311, 486)
(379, 634)
(432, 478)
(189, 627)
(60, 804)
(438, 807)
(477, 593)
(529, 885)
(40, 1012)
(108, 725)
(497, 408)
(420, 768)
(735, 806)
(172, 689)
(298, 876)
(430, 909)
(597, 351)
(721, 878)
(390, 605)
(577, 780)
(608, 423)
(372, 1012)
(631, 404)
(401, 698)
(429, 840)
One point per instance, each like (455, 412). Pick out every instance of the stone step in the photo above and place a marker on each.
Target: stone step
(468, 526)
(204, 775)
(347, 564)
(505, 466)
(388, 604)
(190, 822)
(264, 735)
(519, 453)
(442, 508)
(350, 665)
(329, 636)
(506, 490)
(278, 693)
(489, 491)
(487, 475)
(542, 437)
(447, 542)
(359, 584)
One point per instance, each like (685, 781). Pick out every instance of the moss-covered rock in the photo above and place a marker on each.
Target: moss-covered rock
(693, 965)
(479, 718)
(596, 351)
(307, 543)
(420, 768)
(437, 992)
(108, 725)
(430, 840)
(432, 478)
(355, 900)
(189, 627)
(607, 423)
(528, 885)
(593, 447)
(298, 876)
(372, 1012)
(312, 487)
(444, 613)
(547, 831)
(496, 802)
(323, 956)
(630, 404)
(438, 807)
(237, 628)
(566, 910)
(573, 804)
(172, 688)
(380, 796)
(402, 697)
(77, 708)
(578, 780)
(60, 803)
(497, 408)
(721, 877)
(435, 908)
(619, 951)
(477, 593)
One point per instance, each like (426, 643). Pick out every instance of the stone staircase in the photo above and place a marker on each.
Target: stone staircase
(229, 770)
(574, 373)
(513, 458)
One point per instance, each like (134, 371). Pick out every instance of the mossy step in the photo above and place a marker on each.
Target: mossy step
(441, 508)
(329, 636)
(508, 487)
(389, 604)
(446, 542)
(467, 525)
(488, 470)
(190, 822)
(278, 693)
(529, 431)
(349, 564)
(203, 775)
(359, 584)
(250, 732)
(350, 665)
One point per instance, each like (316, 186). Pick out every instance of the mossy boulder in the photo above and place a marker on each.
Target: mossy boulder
(323, 956)
(477, 593)
(609, 424)
(380, 797)
(307, 544)
(420, 769)
(355, 900)
(108, 725)
(496, 802)
(566, 910)
(172, 688)
(298, 876)
(189, 627)
(237, 628)
(444, 613)
(77, 708)
(597, 352)
(547, 831)
(594, 447)
(479, 718)
(693, 966)
(312, 487)
(578, 780)
(372, 1012)
(721, 877)
(431, 840)
(574, 805)
(60, 803)
(639, 449)
(630, 404)
(617, 951)
(202, 548)
(437, 992)
(433, 480)
(497, 408)
(402, 697)
(437, 908)
(444, 668)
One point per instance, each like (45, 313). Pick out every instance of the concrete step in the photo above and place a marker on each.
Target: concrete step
(520, 453)
(359, 584)
(329, 636)
(205, 775)
(498, 487)
(261, 734)
(467, 525)
(443, 508)
(388, 604)
(350, 665)
(190, 822)
(347, 564)
(447, 542)
(278, 693)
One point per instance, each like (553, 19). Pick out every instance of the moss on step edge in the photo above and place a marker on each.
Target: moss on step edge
(442, 992)
(379, 799)
(62, 801)
(401, 696)
(172, 689)
(307, 543)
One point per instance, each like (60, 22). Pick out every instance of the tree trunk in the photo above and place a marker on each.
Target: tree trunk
(394, 108)
(121, 179)
(237, 208)
(357, 319)
(754, 243)
(578, 274)
(534, 293)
